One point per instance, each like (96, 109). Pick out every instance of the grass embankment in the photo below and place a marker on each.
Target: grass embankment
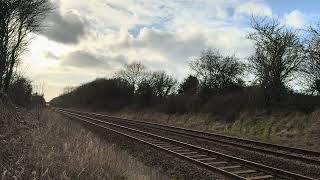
(57, 148)
(292, 129)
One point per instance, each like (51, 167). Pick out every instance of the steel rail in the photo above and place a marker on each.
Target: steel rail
(266, 147)
(245, 163)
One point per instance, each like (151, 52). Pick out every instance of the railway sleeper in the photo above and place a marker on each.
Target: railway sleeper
(230, 167)
(263, 177)
(244, 171)
(206, 159)
(187, 153)
(174, 148)
(197, 156)
(182, 150)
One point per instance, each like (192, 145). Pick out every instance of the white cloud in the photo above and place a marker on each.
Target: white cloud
(295, 19)
(257, 8)
(173, 46)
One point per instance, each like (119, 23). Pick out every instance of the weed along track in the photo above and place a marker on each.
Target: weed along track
(227, 165)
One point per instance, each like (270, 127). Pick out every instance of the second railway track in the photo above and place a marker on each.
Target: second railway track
(302, 155)
(230, 166)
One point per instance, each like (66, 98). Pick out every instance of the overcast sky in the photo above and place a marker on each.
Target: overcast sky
(86, 39)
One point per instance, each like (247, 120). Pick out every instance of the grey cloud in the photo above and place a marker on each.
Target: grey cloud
(50, 55)
(120, 59)
(170, 44)
(67, 29)
(85, 59)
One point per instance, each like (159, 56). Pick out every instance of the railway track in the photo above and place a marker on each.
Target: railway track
(296, 154)
(227, 165)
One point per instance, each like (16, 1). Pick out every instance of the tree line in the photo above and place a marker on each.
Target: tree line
(218, 82)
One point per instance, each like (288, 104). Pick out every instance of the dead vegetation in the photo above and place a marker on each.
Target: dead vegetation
(53, 147)
(295, 129)
(14, 130)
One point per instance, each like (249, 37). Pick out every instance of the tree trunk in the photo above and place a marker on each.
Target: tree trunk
(13, 58)
(8, 77)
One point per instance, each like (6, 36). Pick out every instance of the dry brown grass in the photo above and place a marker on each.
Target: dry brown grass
(292, 129)
(57, 148)
(14, 130)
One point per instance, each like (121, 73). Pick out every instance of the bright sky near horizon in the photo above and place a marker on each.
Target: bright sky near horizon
(87, 39)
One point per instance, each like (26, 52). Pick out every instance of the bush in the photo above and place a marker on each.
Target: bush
(20, 91)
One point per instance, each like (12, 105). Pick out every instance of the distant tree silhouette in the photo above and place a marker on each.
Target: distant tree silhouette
(162, 83)
(17, 20)
(68, 89)
(217, 73)
(189, 86)
(133, 73)
(278, 55)
(311, 66)
(145, 93)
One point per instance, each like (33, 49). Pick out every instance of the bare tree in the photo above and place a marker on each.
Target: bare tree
(162, 83)
(189, 86)
(18, 18)
(68, 89)
(217, 72)
(311, 66)
(39, 87)
(278, 55)
(133, 73)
